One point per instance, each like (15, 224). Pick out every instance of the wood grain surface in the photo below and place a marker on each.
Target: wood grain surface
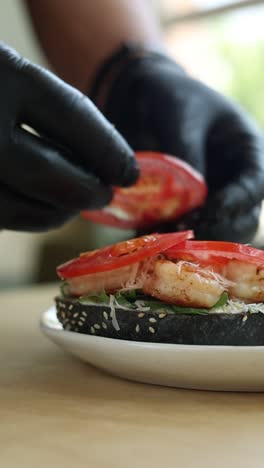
(58, 412)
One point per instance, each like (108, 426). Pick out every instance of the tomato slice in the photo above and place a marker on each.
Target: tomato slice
(121, 254)
(215, 252)
(166, 189)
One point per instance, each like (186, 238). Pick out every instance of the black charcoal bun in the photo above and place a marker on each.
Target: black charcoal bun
(161, 327)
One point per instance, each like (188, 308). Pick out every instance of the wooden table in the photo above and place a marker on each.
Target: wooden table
(58, 412)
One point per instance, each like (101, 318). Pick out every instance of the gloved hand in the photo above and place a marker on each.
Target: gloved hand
(72, 165)
(157, 106)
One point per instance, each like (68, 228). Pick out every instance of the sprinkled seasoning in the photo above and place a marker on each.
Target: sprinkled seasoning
(80, 323)
(84, 314)
(105, 314)
(152, 320)
(75, 314)
(70, 307)
(82, 319)
(152, 330)
(97, 326)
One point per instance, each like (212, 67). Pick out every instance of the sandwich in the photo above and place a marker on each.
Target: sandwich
(166, 288)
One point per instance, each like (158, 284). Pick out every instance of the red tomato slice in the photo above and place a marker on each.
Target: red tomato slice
(215, 252)
(166, 189)
(121, 254)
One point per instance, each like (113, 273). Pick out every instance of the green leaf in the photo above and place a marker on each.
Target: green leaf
(155, 305)
(221, 301)
(189, 310)
(201, 311)
(129, 295)
(100, 298)
(122, 299)
(64, 289)
(128, 299)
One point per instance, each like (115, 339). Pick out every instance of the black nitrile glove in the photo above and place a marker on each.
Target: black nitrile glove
(72, 165)
(157, 106)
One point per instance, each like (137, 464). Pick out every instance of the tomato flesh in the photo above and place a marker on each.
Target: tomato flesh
(166, 189)
(121, 254)
(215, 252)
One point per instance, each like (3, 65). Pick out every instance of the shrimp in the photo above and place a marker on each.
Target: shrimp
(247, 279)
(184, 284)
(108, 281)
(180, 283)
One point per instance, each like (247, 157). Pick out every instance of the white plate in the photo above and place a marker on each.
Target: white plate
(228, 368)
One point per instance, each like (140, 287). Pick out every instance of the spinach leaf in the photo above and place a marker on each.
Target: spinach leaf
(64, 289)
(221, 301)
(100, 298)
(122, 299)
(189, 310)
(129, 298)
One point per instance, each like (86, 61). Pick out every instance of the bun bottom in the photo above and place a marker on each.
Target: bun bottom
(161, 326)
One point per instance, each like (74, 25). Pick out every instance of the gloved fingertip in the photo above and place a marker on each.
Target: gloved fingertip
(98, 199)
(130, 173)
(121, 164)
(102, 200)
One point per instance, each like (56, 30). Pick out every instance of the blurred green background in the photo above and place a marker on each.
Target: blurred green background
(246, 71)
